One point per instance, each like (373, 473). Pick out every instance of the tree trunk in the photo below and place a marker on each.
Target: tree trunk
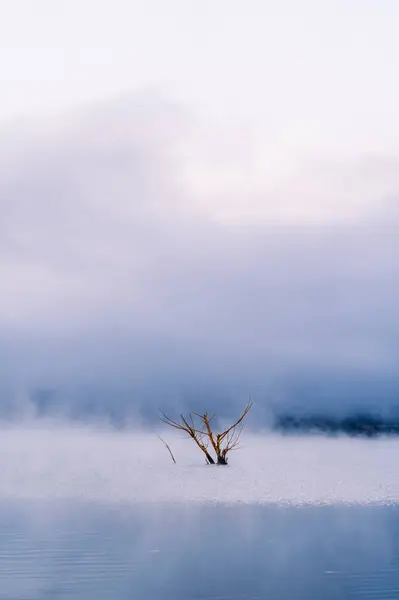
(221, 460)
(209, 458)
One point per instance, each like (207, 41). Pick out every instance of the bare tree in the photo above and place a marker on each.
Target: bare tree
(198, 427)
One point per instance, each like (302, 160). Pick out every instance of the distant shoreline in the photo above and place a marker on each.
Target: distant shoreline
(355, 425)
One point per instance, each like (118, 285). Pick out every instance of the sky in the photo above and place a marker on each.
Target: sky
(297, 83)
(197, 191)
(225, 58)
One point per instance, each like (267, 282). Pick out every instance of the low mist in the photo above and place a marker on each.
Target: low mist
(56, 461)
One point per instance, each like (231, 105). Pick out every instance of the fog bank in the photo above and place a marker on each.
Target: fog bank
(125, 286)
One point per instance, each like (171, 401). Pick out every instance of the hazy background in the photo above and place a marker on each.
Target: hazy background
(198, 203)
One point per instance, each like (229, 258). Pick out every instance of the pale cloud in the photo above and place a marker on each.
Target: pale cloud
(236, 176)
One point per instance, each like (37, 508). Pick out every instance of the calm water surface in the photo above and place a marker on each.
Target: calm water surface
(91, 551)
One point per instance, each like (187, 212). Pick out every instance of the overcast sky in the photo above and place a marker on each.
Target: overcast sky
(190, 184)
(299, 77)
(303, 63)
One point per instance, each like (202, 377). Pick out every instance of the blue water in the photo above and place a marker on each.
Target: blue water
(89, 552)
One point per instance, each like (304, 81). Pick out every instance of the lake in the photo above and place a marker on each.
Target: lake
(90, 514)
(200, 552)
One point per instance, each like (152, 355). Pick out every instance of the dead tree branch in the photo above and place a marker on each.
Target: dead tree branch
(170, 451)
(222, 443)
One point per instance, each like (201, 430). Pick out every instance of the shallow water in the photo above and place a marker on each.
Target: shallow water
(210, 553)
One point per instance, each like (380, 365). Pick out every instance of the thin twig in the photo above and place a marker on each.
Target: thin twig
(170, 451)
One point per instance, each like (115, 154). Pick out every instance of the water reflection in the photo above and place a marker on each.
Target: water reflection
(198, 552)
